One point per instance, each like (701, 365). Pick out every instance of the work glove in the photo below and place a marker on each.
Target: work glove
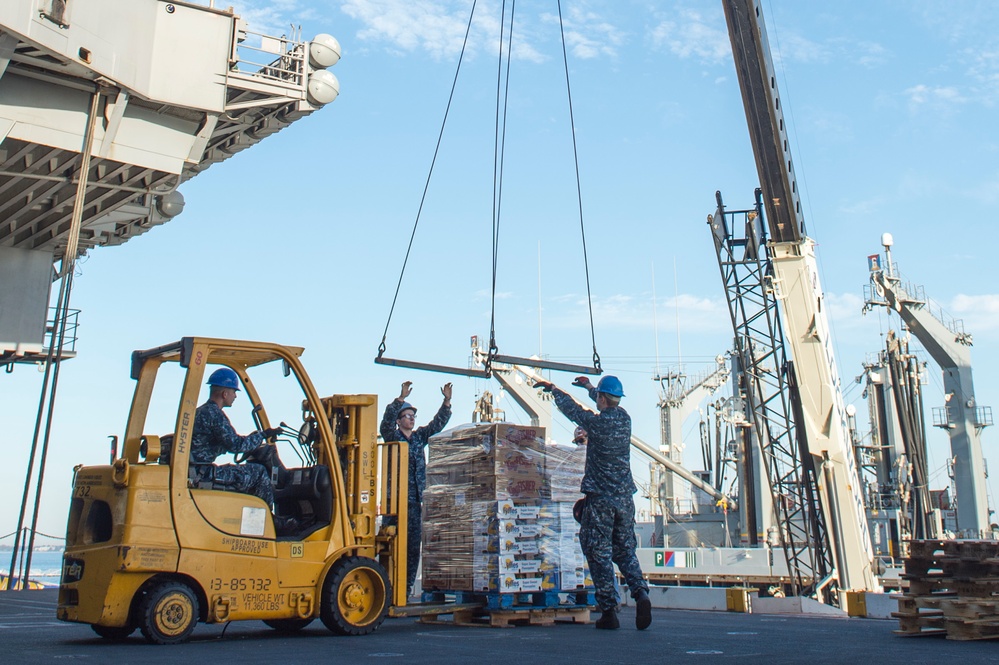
(544, 385)
(581, 381)
(272, 432)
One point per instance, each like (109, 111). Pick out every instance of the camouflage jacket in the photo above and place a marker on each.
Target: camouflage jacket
(608, 451)
(417, 442)
(213, 435)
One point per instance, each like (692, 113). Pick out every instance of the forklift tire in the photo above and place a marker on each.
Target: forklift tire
(355, 596)
(287, 625)
(168, 613)
(113, 633)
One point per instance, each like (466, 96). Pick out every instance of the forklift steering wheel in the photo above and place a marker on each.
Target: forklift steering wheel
(263, 454)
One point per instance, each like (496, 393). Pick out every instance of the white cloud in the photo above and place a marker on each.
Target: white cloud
(984, 71)
(985, 191)
(587, 33)
(484, 294)
(274, 17)
(868, 54)
(943, 97)
(438, 27)
(843, 310)
(688, 34)
(980, 313)
(697, 314)
(795, 48)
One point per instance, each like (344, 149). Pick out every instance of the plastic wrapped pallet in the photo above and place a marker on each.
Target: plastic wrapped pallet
(564, 466)
(490, 522)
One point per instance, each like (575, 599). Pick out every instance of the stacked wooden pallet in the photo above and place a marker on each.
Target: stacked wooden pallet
(951, 587)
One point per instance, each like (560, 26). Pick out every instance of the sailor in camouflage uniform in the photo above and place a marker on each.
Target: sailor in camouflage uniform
(607, 524)
(214, 435)
(398, 425)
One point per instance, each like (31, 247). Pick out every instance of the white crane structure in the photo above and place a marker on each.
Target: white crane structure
(519, 380)
(793, 283)
(678, 401)
(963, 419)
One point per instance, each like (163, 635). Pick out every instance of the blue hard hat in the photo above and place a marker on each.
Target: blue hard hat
(611, 385)
(405, 406)
(224, 378)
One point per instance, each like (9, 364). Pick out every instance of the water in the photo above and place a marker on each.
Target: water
(46, 566)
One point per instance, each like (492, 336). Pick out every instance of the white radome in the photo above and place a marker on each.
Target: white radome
(323, 87)
(324, 51)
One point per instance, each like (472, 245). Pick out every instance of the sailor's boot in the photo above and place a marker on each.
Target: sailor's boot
(643, 610)
(608, 620)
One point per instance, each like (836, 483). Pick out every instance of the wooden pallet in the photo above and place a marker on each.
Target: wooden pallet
(510, 618)
(921, 624)
(971, 550)
(975, 609)
(910, 604)
(516, 601)
(981, 629)
(926, 549)
(505, 610)
(951, 588)
(916, 585)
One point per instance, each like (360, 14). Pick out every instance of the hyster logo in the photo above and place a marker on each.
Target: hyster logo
(72, 570)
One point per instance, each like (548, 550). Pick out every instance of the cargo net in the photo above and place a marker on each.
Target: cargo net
(497, 513)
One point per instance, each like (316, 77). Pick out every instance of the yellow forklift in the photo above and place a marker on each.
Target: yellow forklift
(150, 546)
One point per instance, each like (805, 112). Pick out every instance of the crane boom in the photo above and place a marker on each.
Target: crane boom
(755, 71)
(963, 417)
(797, 288)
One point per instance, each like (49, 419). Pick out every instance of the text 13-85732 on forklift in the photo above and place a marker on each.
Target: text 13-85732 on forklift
(151, 545)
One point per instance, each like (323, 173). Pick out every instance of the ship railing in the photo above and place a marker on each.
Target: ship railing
(981, 417)
(916, 294)
(254, 56)
(52, 327)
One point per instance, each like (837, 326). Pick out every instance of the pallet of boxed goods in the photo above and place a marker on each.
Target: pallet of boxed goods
(498, 524)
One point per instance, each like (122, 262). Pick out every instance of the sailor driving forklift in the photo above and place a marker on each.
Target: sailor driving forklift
(214, 435)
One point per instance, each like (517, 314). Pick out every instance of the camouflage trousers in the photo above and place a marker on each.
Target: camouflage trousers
(414, 535)
(607, 537)
(244, 478)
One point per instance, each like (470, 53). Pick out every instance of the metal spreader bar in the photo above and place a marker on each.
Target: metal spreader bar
(445, 369)
(545, 364)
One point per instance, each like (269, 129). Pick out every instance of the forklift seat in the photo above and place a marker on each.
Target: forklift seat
(305, 494)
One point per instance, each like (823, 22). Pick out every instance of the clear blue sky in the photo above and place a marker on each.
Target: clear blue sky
(892, 107)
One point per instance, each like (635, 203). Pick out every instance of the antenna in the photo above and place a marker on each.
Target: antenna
(676, 307)
(655, 317)
(539, 302)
